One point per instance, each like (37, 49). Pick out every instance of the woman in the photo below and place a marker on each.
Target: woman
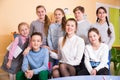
(70, 51)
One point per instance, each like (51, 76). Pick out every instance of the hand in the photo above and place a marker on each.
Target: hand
(93, 72)
(46, 47)
(55, 67)
(26, 51)
(8, 65)
(55, 51)
(29, 74)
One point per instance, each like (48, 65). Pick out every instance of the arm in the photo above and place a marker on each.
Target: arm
(25, 64)
(87, 61)
(49, 39)
(31, 28)
(45, 64)
(104, 58)
(112, 37)
(13, 47)
(53, 54)
(80, 51)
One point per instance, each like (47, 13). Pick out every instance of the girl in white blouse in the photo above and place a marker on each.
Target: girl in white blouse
(96, 55)
(70, 51)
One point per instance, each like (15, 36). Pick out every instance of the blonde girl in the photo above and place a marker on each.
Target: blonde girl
(13, 64)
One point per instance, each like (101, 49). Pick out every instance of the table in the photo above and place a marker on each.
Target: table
(101, 77)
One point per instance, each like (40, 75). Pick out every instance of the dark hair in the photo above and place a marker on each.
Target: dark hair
(108, 31)
(64, 39)
(22, 23)
(63, 19)
(94, 30)
(37, 33)
(79, 8)
(47, 20)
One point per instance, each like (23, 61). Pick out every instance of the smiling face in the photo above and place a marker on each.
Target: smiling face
(59, 14)
(101, 14)
(94, 37)
(78, 15)
(71, 27)
(36, 42)
(41, 12)
(24, 30)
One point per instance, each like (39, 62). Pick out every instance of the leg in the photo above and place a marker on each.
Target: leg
(83, 72)
(43, 75)
(14, 76)
(20, 75)
(71, 70)
(55, 72)
(11, 76)
(103, 71)
(64, 70)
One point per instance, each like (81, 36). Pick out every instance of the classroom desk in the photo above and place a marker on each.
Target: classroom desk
(98, 77)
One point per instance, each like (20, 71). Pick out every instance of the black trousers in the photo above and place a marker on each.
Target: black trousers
(103, 71)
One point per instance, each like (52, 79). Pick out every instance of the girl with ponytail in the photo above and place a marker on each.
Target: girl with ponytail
(41, 24)
(70, 51)
(105, 28)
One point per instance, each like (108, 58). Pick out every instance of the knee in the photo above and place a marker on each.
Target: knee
(19, 75)
(55, 73)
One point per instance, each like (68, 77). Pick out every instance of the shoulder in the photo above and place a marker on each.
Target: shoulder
(88, 46)
(52, 25)
(44, 50)
(79, 38)
(103, 45)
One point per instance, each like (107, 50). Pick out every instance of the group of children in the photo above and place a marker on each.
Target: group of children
(72, 46)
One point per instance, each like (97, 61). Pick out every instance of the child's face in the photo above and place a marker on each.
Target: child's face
(70, 27)
(93, 37)
(41, 13)
(36, 42)
(24, 30)
(58, 15)
(78, 15)
(101, 14)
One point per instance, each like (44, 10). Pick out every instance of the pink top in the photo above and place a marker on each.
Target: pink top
(14, 45)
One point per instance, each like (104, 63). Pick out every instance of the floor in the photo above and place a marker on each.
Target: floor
(3, 75)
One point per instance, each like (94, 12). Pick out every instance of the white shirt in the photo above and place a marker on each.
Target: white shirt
(99, 55)
(72, 51)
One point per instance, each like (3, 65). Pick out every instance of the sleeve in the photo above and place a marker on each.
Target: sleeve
(55, 55)
(104, 58)
(87, 60)
(49, 38)
(45, 63)
(80, 51)
(13, 47)
(112, 37)
(25, 64)
(31, 28)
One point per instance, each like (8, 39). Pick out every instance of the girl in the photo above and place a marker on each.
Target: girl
(70, 51)
(105, 28)
(41, 24)
(96, 55)
(83, 25)
(56, 30)
(11, 64)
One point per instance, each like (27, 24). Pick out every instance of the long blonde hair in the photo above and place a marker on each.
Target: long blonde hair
(64, 39)
(47, 20)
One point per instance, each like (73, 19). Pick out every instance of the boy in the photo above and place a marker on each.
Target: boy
(35, 63)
